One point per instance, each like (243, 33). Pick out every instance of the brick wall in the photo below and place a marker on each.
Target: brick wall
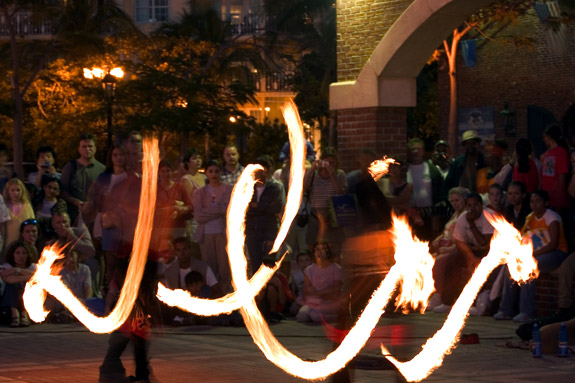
(381, 129)
(519, 75)
(361, 24)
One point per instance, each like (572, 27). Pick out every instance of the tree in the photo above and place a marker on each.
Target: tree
(488, 22)
(78, 28)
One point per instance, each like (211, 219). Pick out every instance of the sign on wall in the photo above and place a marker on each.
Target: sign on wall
(480, 119)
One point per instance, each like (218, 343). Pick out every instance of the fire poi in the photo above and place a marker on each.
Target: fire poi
(412, 271)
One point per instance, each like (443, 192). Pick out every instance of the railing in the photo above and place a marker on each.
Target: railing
(24, 26)
(274, 82)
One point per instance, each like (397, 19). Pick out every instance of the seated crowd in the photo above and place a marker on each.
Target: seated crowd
(93, 207)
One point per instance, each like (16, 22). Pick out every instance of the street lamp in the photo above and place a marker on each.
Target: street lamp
(109, 79)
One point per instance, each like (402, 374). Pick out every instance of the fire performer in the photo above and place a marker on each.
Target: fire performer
(136, 329)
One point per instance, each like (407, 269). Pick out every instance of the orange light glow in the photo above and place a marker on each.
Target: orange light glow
(42, 281)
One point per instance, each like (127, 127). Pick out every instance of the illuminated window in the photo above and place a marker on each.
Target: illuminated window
(151, 10)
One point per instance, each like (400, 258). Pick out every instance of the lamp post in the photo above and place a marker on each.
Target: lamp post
(109, 80)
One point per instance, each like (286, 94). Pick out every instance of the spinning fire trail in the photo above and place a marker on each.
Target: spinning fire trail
(411, 272)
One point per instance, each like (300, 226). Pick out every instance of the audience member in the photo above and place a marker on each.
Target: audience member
(524, 168)
(232, 169)
(545, 229)
(555, 162)
(472, 237)
(45, 163)
(441, 157)
(324, 180)
(79, 174)
(173, 207)
(495, 198)
(272, 298)
(397, 191)
(517, 206)
(29, 234)
(19, 208)
(427, 183)
(192, 181)
(322, 288)
(262, 222)
(303, 260)
(463, 170)
(17, 270)
(4, 217)
(210, 207)
(443, 248)
(47, 201)
(493, 172)
(5, 172)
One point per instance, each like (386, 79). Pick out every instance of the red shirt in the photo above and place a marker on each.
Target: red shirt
(554, 163)
(529, 179)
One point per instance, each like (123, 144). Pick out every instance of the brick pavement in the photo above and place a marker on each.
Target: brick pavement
(69, 353)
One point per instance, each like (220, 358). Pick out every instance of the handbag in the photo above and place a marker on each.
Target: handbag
(302, 218)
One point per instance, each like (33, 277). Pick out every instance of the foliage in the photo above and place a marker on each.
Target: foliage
(266, 138)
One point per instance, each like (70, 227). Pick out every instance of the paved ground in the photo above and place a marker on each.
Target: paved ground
(69, 353)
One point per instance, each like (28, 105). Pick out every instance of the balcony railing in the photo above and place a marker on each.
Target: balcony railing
(24, 26)
(274, 82)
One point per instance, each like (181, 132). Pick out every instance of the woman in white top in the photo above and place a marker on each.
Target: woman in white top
(192, 180)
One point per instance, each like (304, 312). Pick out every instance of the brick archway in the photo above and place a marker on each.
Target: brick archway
(371, 108)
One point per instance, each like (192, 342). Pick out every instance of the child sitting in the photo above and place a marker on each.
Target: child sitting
(321, 288)
(303, 260)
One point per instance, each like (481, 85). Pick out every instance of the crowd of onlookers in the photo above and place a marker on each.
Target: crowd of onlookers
(340, 231)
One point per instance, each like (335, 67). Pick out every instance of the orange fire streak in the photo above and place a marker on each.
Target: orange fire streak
(506, 248)
(379, 168)
(42, 281)
(412, 271)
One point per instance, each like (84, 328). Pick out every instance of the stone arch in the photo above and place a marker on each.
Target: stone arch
(388, 77)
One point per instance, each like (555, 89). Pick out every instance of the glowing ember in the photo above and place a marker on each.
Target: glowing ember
(379, 168)
(42, 281)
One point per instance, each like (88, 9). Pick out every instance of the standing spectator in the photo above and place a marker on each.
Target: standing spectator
(5, 173)
(524, 169)
(555, 168)
(17, 270)
(19, 207)
(232, 169)
(107, 192)
(210, 206)
(79, 174)
(463, 170)
(4, 217)
(192, 181)
(493, 172)
(427, 182)
(262, 214)
(134, 152)
(324, 180)
(397, 191)
(173, 207)
(441, 157)
(45, 163)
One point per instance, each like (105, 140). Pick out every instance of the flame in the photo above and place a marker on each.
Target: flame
(506, 248)
(42, 281)
(416, 266)
(379, 168)
(412, 271)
